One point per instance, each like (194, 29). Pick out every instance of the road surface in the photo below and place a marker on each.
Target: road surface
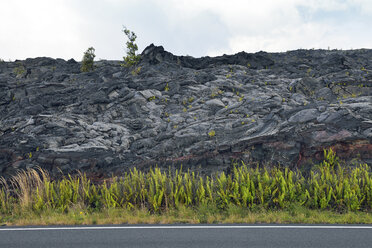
(163, 236)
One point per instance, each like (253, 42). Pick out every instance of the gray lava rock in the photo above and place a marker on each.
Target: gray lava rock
(304, 116)
(211, 111)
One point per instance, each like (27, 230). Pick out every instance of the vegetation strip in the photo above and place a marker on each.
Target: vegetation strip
(179, 227)
(247, 191)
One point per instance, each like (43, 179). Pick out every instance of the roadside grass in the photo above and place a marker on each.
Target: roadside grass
(328, 193)
(185, 215)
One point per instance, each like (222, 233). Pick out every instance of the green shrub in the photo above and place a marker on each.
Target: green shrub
(132, 58)
(87, 63)
(20, 70)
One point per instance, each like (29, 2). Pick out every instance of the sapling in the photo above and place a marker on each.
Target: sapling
(132, 58)
(87, 64)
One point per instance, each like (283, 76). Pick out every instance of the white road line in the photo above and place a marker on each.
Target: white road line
(177, 227)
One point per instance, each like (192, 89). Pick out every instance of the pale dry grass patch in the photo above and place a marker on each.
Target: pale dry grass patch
(192, 216)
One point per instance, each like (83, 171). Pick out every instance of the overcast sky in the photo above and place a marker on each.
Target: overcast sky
(66, 28)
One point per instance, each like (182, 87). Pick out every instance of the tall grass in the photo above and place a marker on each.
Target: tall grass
(328, 186)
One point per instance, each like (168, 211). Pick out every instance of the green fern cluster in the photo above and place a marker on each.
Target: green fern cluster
(328, 186)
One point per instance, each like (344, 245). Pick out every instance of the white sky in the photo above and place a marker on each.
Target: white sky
(66, 28)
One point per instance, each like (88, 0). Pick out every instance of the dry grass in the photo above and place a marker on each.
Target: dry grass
(186, 215)
(25, 182)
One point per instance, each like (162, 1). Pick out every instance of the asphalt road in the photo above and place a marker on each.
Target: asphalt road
(187, 236)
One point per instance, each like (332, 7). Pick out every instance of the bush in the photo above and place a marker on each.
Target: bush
(88, 60)
(132, 58)
(20, 70)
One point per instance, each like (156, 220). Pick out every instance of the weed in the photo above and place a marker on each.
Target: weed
(216, 92)
(20, 70)
(136, 71)
(166, 88)
(211, 133)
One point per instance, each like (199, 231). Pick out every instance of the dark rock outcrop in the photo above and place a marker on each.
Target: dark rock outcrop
(204, 112)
